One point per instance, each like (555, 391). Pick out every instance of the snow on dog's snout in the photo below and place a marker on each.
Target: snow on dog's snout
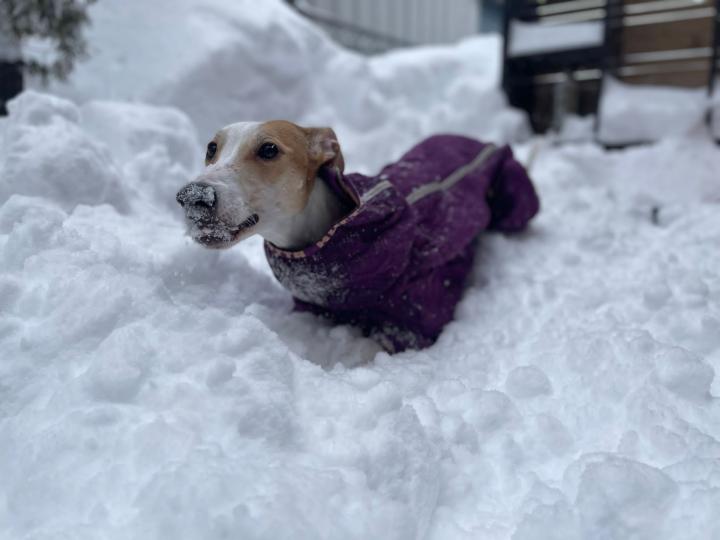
(216, 210)
(211, 222)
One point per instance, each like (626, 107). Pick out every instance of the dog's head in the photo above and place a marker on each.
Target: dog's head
(257, 177)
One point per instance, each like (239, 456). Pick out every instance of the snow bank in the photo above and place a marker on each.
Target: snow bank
(631, 113)
(47, 153)
(275, 64)
(153, 389)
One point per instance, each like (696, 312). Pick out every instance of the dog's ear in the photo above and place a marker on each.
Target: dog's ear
(324, 148)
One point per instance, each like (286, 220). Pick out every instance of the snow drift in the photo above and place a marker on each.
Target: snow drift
(249, 60)
(633, 113)
(153, 389)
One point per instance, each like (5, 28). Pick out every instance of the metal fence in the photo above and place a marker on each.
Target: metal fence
(372, 26)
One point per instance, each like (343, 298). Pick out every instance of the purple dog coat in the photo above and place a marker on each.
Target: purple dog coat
(397, 264)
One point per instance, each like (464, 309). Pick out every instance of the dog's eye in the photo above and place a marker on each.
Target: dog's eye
(211, 149)
(268, 151)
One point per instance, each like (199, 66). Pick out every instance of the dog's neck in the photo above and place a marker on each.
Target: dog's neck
(324, 208)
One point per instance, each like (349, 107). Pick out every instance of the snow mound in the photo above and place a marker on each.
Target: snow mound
(133, 128)
(633, 113)
(276, 65)
(47, 153)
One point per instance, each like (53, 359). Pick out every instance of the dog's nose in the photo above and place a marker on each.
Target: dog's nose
(196, 194)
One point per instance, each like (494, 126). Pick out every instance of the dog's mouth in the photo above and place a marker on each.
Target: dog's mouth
(217, 234)
(248, 223)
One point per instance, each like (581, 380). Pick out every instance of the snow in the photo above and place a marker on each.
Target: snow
(275, 64)
(633, 113)
(534, 38)
(576, 128)
(150, 388)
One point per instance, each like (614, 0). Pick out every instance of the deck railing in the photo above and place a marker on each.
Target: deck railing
(658, 42)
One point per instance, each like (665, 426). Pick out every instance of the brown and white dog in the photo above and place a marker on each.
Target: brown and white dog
(260, 178)
(389, 253)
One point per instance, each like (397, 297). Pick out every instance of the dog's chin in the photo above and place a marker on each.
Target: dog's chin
(212, 242)
(220, 236)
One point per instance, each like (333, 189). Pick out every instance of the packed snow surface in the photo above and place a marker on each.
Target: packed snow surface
(152, 389)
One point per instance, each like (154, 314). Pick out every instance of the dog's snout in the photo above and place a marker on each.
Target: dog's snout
(196, 194)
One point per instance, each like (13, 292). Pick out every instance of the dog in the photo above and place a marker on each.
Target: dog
(388, 253)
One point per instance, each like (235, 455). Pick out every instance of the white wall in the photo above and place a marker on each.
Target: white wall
(415, 21)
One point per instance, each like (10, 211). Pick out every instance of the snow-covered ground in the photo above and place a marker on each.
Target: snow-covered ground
(150, 389)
